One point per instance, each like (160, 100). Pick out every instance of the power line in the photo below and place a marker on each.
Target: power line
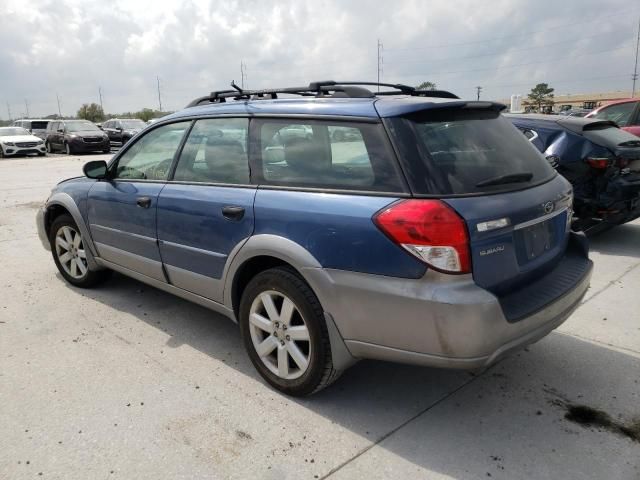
(503, 52)
(598, 19)
(519, 64)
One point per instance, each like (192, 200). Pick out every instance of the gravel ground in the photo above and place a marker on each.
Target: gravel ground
(128, 382)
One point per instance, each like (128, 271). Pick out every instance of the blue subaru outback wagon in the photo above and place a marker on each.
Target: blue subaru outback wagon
(335, 224)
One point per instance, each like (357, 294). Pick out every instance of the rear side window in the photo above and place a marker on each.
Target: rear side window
(620, 113)
(39, 125)
(319, 154)
(215, 152)
(455, 151)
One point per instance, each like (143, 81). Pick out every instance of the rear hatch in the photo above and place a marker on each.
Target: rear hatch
(516, 208)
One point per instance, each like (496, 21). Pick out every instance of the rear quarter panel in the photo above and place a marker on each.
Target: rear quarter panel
(337, 229)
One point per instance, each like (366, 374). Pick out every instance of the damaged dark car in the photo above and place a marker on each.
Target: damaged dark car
(601, 161)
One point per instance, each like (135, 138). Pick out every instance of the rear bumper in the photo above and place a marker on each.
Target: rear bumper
(440, 320)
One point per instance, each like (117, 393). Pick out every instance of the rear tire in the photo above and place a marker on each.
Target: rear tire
(282, 317)
(48, 147)
(70, 256)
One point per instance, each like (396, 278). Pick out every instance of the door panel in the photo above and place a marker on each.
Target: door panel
(123, 231)
(196, 238)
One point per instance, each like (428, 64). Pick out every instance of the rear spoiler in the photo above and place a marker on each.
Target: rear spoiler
(579, 125)
(389, 109)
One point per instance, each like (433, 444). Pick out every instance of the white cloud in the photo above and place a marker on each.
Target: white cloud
(72, 47)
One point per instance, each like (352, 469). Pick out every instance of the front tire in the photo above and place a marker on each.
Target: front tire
(67, 149)
(70, 256)
(285, 334)
(48, 147)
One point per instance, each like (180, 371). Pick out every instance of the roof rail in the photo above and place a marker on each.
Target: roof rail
(324, 88)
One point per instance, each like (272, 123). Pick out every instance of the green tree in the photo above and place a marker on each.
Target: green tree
(145, 114)
(541, 95)
(92, 112)
(426, 86)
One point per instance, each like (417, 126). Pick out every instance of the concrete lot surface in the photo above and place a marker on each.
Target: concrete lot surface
(127, 382)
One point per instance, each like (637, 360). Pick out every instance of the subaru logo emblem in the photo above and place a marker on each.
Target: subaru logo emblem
(548, 207)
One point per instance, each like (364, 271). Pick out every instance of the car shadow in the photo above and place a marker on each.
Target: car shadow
(623, 240)
(373, 399)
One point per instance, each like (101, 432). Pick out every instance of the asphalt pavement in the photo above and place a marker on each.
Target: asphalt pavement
(128, 382)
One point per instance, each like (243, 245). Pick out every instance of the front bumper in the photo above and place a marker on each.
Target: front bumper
(80, 146)
(11, 151)
(439, 321)
(41, 227)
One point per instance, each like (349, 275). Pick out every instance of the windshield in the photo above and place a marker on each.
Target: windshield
(455, 151)
(133, 124)
(81, 127)
(11, 131)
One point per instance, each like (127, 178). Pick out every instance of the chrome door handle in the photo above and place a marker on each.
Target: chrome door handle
(144, 202)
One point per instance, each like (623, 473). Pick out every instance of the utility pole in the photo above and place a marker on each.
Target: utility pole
(9, 110)
(479, 89)
(26, 104)
(100, 95)
(380, 62)
(243, 74)
(58, 99)
(634, 77)
(159, 96)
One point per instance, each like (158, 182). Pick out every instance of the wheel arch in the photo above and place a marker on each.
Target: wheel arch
(262, 252)
(62, 203)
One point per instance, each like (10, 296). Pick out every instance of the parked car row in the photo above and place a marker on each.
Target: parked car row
(71, 136)
(427, 231)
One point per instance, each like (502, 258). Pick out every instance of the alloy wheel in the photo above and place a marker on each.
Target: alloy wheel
(67, 148)
(70, 252)
(280, 335)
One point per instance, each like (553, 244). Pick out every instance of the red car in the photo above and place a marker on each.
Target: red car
(626, 113)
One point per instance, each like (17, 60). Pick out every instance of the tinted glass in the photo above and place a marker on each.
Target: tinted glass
(10, 131)
(320, 154)
(620, 113)
(81, 127)
(151, 156)
(215, 152)
(39, 125)
(454, 151)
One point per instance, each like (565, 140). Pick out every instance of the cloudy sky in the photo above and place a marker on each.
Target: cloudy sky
(74, 47)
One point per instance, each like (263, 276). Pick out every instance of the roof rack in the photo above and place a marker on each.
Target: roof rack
(319, 89)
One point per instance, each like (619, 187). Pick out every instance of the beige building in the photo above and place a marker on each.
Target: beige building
(588, 101)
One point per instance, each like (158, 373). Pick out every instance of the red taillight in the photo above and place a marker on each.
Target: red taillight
(598, 162)
(430, 230)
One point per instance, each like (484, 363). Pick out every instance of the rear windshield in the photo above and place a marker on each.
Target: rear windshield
(456, 151)
(610, 136)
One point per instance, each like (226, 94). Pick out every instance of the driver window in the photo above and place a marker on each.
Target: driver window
(150, 157)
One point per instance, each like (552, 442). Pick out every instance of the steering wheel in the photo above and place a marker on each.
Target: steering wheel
(160, 170)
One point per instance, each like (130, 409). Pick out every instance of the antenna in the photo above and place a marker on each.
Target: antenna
(159, 96)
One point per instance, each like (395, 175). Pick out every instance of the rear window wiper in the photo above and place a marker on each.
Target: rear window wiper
(508, 178)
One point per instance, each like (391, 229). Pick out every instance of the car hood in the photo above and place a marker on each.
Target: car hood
(20, 138)
(89, 133)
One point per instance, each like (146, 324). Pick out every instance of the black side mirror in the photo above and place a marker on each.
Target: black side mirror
(95, 169)
(61, 130)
